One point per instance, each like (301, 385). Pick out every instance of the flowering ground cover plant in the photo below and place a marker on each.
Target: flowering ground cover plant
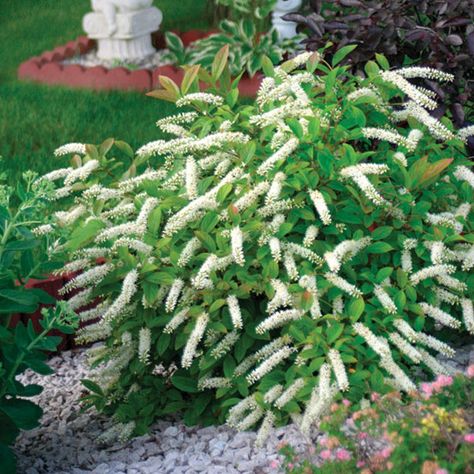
(268, 256)
(430, 433)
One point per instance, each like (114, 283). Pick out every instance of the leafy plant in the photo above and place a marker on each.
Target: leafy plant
(24, 255)
(21, 349)
(429, 433)
(436, 33)
(247, 47)
(269, 255)
(251, 9)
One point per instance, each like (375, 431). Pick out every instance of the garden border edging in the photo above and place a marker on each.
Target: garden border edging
(47, 69)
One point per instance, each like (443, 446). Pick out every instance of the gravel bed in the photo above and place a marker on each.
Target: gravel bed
(65, 443)
(90, 59)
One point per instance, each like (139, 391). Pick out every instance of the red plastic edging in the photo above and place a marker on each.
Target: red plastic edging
(47, 69)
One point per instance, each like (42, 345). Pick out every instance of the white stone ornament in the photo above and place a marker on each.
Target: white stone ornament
(285, 29)
(122, 28)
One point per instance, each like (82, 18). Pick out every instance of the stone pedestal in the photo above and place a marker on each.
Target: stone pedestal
(130, 37)
(285, 29)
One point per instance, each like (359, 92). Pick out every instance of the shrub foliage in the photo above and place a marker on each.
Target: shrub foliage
(267, 256)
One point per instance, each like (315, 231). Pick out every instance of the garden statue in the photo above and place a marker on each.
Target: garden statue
(122, 28)
(285, 29)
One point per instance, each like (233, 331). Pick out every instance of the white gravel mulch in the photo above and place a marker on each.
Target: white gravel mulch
(90, 59)
(65, 443)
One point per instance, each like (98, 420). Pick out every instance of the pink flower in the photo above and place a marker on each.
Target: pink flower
(470, 371)
(444, 380)
(343, 454)
(346, 402)
(427, 389)
(469, 438)
(386, 452)
(441, 471)
(323, 441)
(290, 466)
(360, 464)
(312, 450)
(274, 464)
(362, 435)
(326, 454)
(374, 396)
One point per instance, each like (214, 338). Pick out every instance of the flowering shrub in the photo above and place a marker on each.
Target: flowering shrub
(432, 433)
(271, 255)
(24, 255)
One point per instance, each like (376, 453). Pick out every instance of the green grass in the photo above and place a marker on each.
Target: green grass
(35, 119)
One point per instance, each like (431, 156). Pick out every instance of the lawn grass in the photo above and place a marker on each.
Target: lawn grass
(35, 119)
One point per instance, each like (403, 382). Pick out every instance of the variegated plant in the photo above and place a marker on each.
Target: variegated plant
(268, 256)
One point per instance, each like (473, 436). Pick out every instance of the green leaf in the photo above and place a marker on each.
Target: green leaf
(340, 54)
(383, 273)
(379, 247)
(92, 386)
(381, 232)
(219, 303)
(8, 460)
(356, 308)
(334, 331)
(219, 62)
(184, 382)
(24, 414)
(189, 76)
(163, 343)
(8, 430)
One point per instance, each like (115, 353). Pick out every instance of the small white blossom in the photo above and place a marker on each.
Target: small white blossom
(463, 173)
(343, 284)
(129, 288)
(236, 240)
(269, 364)
(203, 97)
(398, 374)
(385, 299)
(144, 344)
(431, 272)
(42, 230)
(310, 235)
(284, 152)
(379, 345)
(409, 89)
(265, 429)
(468, 314)
(321, 206)
(435, 366)
(290, 393)
(225, 345)
(290, 266)
(275, 248)
(465, 133)
(338, 369)
(193, 340)
(439, 315)
(173, 295)
(191, 177)
(405, 347)
(176, 321)
(78, 148)
(235, 313)
(278, 319)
